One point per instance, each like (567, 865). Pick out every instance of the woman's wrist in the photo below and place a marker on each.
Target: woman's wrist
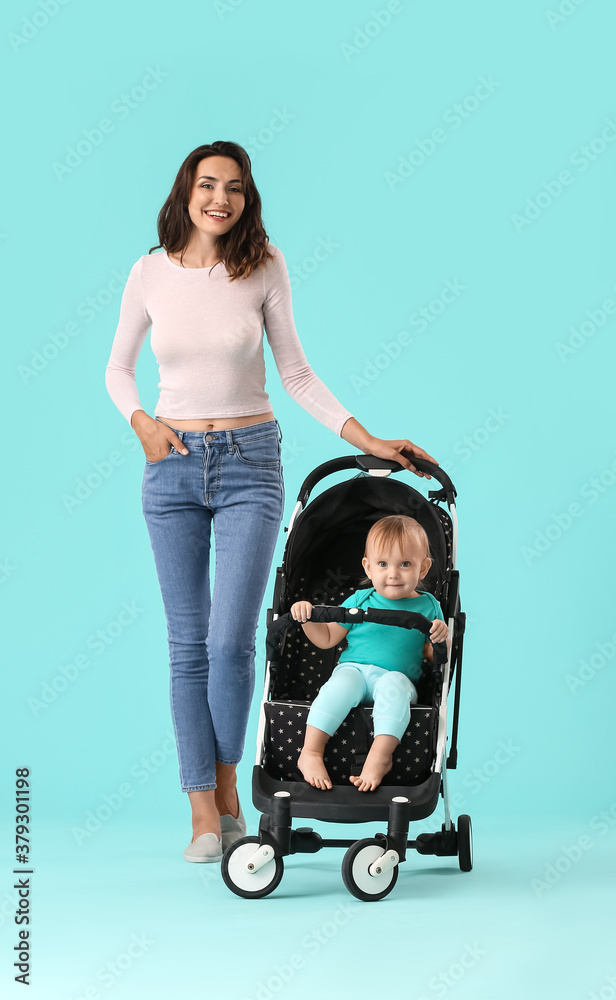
(138, 420)
(353, 432)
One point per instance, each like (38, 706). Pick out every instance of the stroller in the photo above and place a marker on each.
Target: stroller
(322, 564)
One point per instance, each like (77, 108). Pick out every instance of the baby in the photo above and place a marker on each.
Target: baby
(380, 662)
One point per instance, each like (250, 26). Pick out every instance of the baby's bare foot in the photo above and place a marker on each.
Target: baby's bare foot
(375, 767)
(312, 767)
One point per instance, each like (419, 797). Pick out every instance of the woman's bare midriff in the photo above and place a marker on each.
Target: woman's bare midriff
(219, 423)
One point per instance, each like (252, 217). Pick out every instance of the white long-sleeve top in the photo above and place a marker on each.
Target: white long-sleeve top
(207, 337)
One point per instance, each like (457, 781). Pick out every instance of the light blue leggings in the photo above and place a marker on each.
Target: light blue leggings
(352, 683)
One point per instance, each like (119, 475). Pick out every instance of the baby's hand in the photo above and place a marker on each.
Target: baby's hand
(439, 631)
(301, 611)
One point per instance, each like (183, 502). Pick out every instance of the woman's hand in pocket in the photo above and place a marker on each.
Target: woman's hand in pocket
(156, 438)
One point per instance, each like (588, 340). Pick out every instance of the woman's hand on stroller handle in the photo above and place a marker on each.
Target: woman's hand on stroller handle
(401, 451)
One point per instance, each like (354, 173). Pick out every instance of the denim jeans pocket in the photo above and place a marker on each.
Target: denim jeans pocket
(262, 452)
(173, 451)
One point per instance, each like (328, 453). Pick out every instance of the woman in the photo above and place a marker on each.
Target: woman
(212, 454)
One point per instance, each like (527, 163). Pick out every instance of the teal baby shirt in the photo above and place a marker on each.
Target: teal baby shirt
(388, 646)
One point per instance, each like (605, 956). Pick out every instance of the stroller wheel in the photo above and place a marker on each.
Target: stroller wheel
(465, 843)
(356, 875)
(250, 885)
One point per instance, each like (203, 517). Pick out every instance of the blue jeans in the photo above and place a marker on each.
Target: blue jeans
(390, 691)
(233, 479)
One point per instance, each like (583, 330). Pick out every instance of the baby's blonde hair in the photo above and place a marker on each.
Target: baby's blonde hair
(398, 528)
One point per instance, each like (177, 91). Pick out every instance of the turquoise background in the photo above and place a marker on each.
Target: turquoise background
(330, 105)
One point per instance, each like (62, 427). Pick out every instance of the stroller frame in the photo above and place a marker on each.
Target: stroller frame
(253, 867)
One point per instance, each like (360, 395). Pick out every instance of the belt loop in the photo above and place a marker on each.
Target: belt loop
(230, 446)
(279, 430)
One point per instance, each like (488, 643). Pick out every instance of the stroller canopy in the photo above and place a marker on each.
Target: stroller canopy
(322, 560)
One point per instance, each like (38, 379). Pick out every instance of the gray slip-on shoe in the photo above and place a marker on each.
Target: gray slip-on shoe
(207, 847)
(232, 829)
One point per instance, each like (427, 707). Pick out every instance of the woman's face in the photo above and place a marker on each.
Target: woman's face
(217, 188)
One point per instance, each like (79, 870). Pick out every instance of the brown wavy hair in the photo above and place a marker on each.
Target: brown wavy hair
(244, 247)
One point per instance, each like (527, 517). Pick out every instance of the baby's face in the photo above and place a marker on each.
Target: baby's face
(395, 572)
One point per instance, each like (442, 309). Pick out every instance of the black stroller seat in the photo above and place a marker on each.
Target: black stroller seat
(328, 559)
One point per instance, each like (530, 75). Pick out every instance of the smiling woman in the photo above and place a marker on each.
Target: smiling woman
(219, 199)
(213, 455)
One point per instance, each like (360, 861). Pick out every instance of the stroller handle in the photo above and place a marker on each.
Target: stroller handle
(368, 462)
(335, 613)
